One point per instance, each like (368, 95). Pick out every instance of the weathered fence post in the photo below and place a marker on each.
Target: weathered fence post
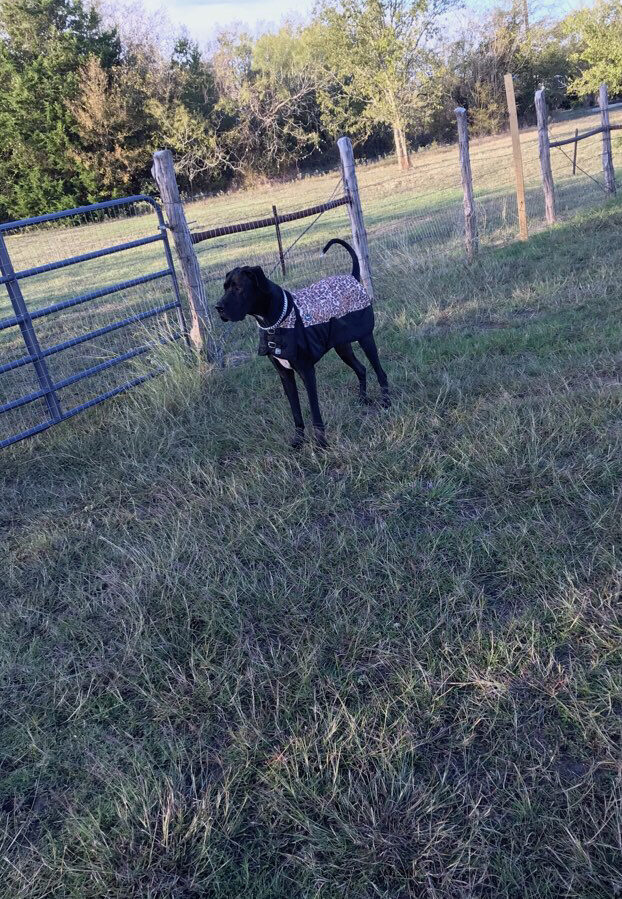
(355, 211)
(278, 237)
(518, 158)
(470, 214)
(608, 170)
(574, 155)
(545, 156)
(163, 173)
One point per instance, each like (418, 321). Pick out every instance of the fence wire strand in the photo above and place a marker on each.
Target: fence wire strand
(576, 165)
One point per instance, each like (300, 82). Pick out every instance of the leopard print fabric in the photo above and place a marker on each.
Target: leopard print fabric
(329, 298)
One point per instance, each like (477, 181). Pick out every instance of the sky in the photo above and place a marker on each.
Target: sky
(203, 17)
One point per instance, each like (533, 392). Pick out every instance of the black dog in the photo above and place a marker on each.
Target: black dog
(296, 330)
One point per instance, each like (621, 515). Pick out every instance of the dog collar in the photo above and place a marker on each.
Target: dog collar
(279, 320)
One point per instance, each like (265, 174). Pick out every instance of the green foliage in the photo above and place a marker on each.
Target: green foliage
(43, 45)
(500, 42)
(114, 123)
(597, 33)
(83, 109)
(381, 53)
(278, 114)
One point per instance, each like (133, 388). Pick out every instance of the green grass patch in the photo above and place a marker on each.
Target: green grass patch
(390, 669)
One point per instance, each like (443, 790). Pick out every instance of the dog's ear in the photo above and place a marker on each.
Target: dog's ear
(227, 277)
(257, 274)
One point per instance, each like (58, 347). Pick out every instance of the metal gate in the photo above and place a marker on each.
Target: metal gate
(60, 348)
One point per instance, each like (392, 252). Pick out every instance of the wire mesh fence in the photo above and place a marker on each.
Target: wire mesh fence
(421, 209)
(415, 214)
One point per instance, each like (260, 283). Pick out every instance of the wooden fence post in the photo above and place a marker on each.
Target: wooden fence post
(518, 158)
(574, 155)
(470, 214)
(355, 211)
(163, 173)
(545, 156)
(609, 172)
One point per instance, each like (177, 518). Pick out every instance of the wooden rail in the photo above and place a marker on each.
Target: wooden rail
(573, 140)
(199, 236)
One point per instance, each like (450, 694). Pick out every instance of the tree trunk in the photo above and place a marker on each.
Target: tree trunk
(401, 150)
(398, 146)
(405, 156)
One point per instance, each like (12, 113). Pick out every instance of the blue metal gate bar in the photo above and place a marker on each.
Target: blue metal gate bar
(90, 335)
(37, 429)
(16, 363)
(81, 210)
(109, 363)
(107, 329)
(85, 257)
(88, 372)
(24, 318)
(93, 295)
(28, 333)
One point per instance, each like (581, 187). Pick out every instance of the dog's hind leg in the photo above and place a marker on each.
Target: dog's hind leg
(346, 353)
(307, 373)
(368, 345)
(288, 380)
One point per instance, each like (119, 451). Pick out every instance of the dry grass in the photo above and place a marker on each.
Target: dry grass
(390, 670)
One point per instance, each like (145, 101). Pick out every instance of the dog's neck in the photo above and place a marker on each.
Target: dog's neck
(268, 306)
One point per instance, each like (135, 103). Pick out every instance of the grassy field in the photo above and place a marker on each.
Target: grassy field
(390, 669)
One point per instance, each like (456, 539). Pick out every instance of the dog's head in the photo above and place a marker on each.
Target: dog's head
(244, 287)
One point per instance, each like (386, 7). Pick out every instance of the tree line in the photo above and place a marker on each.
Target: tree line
(90, 90)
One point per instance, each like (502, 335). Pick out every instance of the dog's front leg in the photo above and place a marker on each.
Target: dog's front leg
(288, 380)
(307, 374)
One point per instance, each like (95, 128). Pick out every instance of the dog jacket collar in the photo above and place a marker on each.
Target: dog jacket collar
(280, 319)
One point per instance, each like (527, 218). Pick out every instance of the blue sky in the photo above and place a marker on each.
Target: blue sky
(203, 17)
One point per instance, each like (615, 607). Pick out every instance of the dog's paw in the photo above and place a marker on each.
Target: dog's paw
(320, 439)
(385, 400)
(297, 440)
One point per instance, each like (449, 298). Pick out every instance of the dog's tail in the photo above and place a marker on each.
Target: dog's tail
(356, 268)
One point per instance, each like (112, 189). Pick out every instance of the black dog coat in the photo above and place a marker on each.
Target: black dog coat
(330, 312)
